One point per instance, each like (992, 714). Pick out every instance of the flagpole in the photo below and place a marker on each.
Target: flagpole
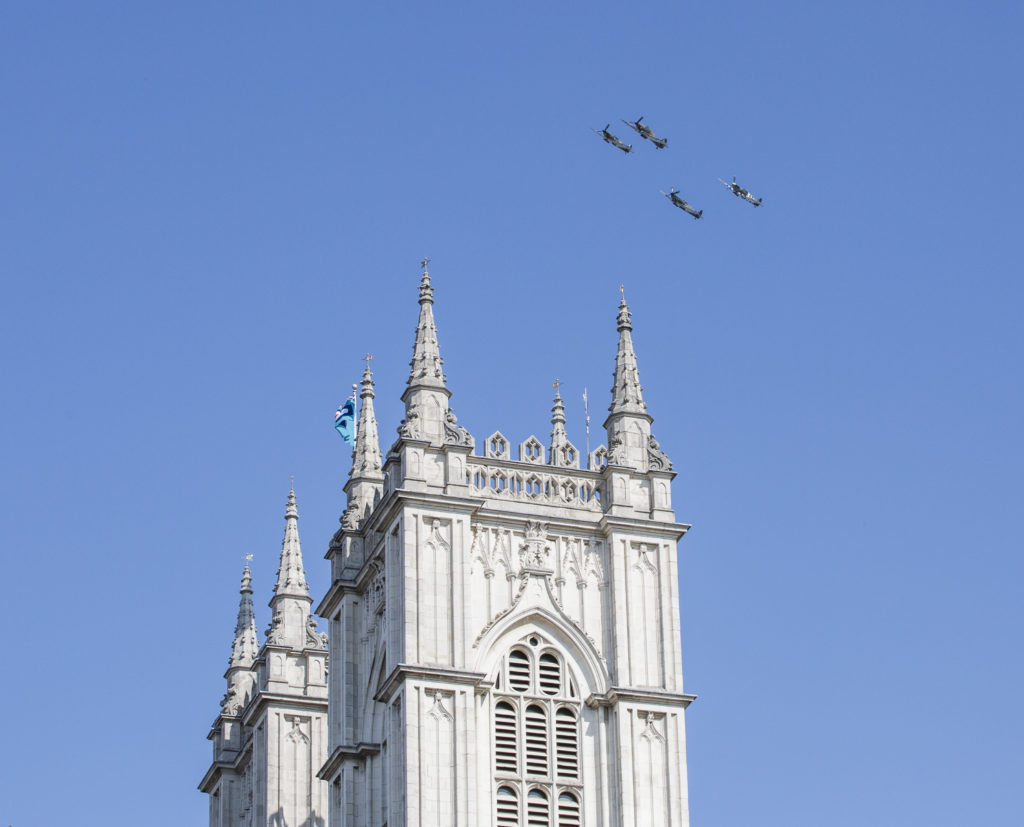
(355, 420)
(586, 410)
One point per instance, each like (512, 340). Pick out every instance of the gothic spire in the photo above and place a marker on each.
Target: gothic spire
(558, 435)
(366, 460)
(627, 395)
(246, 645)
(291, 576)
(426, 354)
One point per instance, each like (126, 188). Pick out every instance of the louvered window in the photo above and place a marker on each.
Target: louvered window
(519, 671)
(567, 757)
(537, 740)
(506, 747)
(550, 674)
(568, 810)
(538, 811)
(508, 807)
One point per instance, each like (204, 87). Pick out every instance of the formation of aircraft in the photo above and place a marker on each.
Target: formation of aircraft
(739, 192)
(673, 196)
(645, 132)
(611, 139)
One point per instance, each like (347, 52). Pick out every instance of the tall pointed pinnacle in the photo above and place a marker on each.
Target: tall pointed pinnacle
(559, 439)
(627, 395)
(246, 645)
(366, 462)
(291, 576)
(426, 370)
(628, 424)
(244, 651)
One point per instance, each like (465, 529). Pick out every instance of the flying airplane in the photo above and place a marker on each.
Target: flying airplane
(673, 196)
(646, 132)
(739, 192)
(611, 139)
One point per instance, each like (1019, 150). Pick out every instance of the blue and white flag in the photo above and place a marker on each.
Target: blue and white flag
(345, 420)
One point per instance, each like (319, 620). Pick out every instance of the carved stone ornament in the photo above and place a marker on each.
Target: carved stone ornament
(656, 458)
(617, 451)
(274, 630)
(410, 426)
(350, 519)
(455, 434)
(438, 711)
(534, 553)
(650, 731)
(230, 703)
(314, 639)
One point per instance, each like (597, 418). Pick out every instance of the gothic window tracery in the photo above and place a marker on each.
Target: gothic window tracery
(537, 729)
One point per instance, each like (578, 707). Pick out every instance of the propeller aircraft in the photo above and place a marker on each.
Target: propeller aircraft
(611, 139)
(673, 196)
(646, 132)
(739, 192)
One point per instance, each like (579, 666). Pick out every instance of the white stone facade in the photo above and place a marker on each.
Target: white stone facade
(504, 632)
(271, 736)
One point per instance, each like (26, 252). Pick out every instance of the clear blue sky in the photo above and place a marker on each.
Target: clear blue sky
(208, 212)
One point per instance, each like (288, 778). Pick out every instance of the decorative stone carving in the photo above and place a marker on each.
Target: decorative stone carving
(592, 565)
(437, 535)
(497, 446)
(296, 735)
(376, 595)
(410, 426)
(531, 451)
(231, 703)
(534, 553)
(276, 628)
(643, 562)
(656, 458)
(314, 639)
(350, 519)
(650, 731)
(598, 458)
(438, 711)
(565, 456)
(617, 451)
(455, 434)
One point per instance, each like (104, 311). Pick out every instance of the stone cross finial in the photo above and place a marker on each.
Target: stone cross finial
(248, 557)
(556, 384)
(368, 358)
(424, 263)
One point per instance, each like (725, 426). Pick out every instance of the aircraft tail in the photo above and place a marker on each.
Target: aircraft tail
(700, 213)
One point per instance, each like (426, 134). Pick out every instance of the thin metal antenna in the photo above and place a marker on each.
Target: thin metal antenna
(586, 410)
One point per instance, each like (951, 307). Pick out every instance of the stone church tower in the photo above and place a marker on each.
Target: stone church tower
(504, 630)
(271, 735)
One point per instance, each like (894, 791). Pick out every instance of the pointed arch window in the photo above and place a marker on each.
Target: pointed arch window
(537, 729)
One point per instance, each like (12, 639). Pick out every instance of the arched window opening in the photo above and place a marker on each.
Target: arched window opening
(567, 750)
(536, 741)
(568, 810)
(508, 807)
(519, 670)
(550, 674)
(505, 746)
(537, 725)
(538, 813)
